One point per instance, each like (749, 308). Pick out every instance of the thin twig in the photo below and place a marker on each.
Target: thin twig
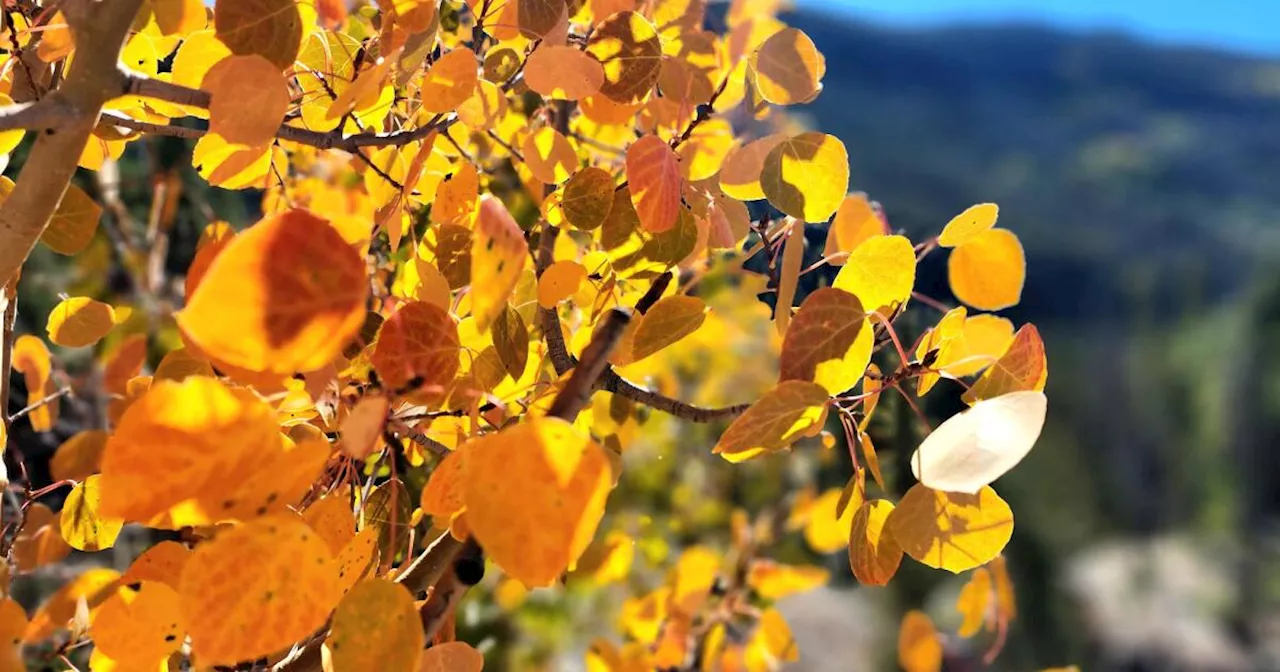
(48, 399)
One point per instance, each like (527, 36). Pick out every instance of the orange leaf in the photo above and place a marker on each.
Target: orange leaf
(376, 627)
(653, 175)
(629, 48)
(668, 321)
(973, 601)
(284, 296)
(740, 177)
(234, 615)
(789, 274)
(248, 99)
(1022, 367)
(419, 342)
(270, 28)
(140, 624)
(855, 223)
(988, 270)
(162, 562)
(549, 155)
(79, 456)
(498, 256)
(450, 81)
(451, 657)
(562, 72)
(442, 497)
(919, 649)
(362, 429)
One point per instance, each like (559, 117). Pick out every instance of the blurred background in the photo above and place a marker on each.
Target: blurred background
(1134, 147)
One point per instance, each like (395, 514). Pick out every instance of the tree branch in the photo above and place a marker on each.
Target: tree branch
(100, 29)
(612, 382)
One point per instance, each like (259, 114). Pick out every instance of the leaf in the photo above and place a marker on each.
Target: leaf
(789, 275)
(457, 195)
(74, 223)
(828, 342)
(629, 48)
(535, 493)
(449, 81)
(361, 430)
(964, 345)
(451, 657)
(40, 541)
(418, 342)
(83, 525)
(179, 364)
(442, 498)
(874, 555)
(968, 224)
(988, 270)
(561, 72)
(234, 615)
(826, 528)
(973, 601)
(588, 198)
(124, 362)
(92, 587)
(357, 558)
(13, 623)
(285, 296)
(376, 627)
(486, 107)
(1006, 600)
(388, 511)
(498, 256)
(560, 281)
(80, 321)
(511, 340)
(181, 444)
(806, 176)
(269, 28)
(855, 223)
(653, 175)
(140, 624)
(740, 176)
(854, 493)
(919, 649)
(783, 415)
(787, 68)
(80, 456)
(668, 321)
(869, 452)
(31, 357)
(975, 447)
(772, 580)
(549, 155)
(161, 563)
(332, 519)
(248, 99)
(1022, 367)
(950, 530)
(881, 272)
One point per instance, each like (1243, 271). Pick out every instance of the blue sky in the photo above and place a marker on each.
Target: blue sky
(1240, 25)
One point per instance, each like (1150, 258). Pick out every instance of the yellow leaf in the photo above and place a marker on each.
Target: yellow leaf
(270, 28)
(80, 321)
(773, 642)
(988, 270)
(653, 178)
(869, 452)
(80, 456)
(740, 176)
(234, 615)
(442, 498)
(789, 274)
(357, 558)
(1022, 367)
(184, 443)
(332, 519)
(874, 555)
(668, 321)
(285, 296)
(198, 52)
(806, 176)
(855, 223)
(486, 107)
(178, 17)
(919, 649)
(73, 224)
(692, 579)
(451, 657)
(559, 282)
(82, 524)
(787, 68)
(1006, 602)
(968, 224)
(973, 601)
(829, 342)
(535, 493)
(140, 624)
(629, 48)
(233, 166)
(588, 198)
(456, 196)
(975, 447)
(881, 272)
(784, 414)
(376, 627)
(772, 580)
(824, 530)
(498, 255)
(950, 530)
